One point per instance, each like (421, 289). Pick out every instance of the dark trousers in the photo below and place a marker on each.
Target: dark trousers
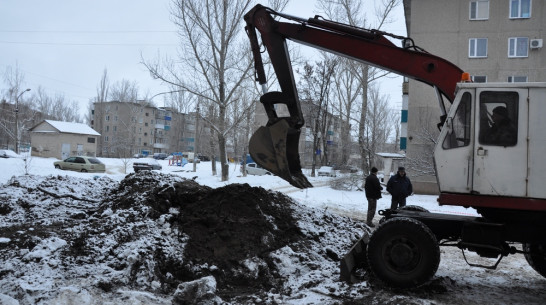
(397, 202)
(372, 205)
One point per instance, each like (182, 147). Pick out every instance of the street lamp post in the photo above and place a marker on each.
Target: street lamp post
(17, 121)
(196, 138)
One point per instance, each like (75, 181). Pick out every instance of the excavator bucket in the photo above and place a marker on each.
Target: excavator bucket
(275, 148)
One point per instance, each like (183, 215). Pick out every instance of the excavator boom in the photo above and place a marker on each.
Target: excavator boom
(275, 146)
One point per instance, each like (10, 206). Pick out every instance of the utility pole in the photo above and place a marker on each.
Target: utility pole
(17, 121)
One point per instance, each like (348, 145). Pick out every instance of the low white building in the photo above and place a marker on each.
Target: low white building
(63, 139)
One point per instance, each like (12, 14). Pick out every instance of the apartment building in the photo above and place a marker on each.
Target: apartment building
(493, 40)
(129, 128)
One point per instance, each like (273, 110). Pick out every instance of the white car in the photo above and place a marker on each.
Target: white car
(255, 169)
(327, 171)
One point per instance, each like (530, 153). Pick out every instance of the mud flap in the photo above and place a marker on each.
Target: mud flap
(275, 148)
(355, 258)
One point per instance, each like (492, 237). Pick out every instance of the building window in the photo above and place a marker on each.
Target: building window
(517, 79)
(116, 118)
(479, 10)
(477, 47)
(115, 128)
(90, 140)
(518, 47)
(479, 79)
(107, 118)
(106, 139)
(107, 128)
(520, 8)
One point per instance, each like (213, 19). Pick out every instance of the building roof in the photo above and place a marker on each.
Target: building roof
(68, 127)
(391, 155)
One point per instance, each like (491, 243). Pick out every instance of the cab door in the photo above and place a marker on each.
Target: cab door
(453, 155)
(500, 162)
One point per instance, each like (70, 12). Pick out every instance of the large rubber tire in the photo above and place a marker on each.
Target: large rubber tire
(536, 257)
(57, 166)
(403, 253)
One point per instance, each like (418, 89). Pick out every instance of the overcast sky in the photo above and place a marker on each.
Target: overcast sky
(64, 46)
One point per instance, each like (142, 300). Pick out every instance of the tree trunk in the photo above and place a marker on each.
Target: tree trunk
(362, 123)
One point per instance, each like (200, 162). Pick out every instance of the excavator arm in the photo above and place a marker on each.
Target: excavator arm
(275, 146)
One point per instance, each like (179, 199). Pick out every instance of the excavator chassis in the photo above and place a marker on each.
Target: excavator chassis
(403, 251)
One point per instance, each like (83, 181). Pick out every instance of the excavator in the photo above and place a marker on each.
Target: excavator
(489, 155)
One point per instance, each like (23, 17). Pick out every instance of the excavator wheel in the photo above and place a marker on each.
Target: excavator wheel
(403, 253)
(536, 257)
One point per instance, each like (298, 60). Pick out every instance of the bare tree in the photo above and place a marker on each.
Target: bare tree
(316, 85)
(99, 112)
(352, 12)
(213, 61)
(124, 91)
(347, 92)
(14, 80)
(425, 135)
(378, 128)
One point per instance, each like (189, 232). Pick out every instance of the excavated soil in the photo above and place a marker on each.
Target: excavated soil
(222, 228)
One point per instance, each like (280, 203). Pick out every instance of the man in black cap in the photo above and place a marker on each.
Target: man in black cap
(502, 131)
(373, 192)
(399, 186)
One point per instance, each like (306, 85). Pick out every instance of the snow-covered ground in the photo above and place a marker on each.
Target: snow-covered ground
(88, 213)
(350, 203)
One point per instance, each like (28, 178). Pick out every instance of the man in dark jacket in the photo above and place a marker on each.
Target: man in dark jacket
(373, 192)
(399, 186)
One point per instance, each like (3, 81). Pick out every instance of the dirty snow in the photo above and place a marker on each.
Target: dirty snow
(125, 238)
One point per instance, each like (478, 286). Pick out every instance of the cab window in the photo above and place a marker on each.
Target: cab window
(459, 133)
(498, 118)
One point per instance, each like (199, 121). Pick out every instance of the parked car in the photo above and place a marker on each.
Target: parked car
(255, 169)
(146, 164)
(3, 154)
(81, 164)
(346, 168)
(139, 156)
(204, 158)
(160, 156)
(327, 171)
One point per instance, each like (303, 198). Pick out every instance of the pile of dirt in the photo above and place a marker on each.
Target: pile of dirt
(168, 236)
(225, 230)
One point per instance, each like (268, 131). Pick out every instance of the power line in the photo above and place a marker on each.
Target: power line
(85, 31)
(93, 44)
